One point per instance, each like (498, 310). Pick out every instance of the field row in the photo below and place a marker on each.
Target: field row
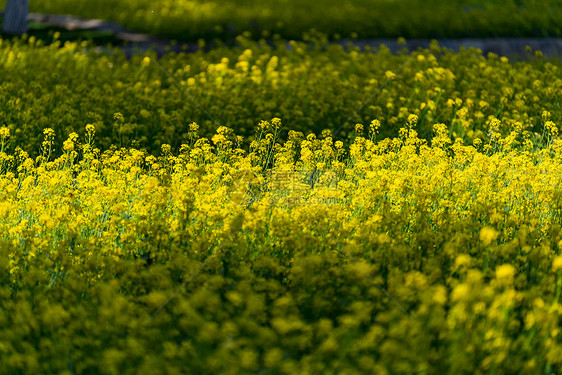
(311, 87)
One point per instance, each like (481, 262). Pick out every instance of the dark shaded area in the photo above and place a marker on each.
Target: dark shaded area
(45, 31)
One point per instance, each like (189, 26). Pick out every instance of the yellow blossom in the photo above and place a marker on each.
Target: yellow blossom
(487, 235)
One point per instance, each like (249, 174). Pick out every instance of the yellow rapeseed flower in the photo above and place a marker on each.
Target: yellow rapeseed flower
(557, 263)
(145, 61)
(460, 292)
(505, 273)
(4, 132)
(487, 235)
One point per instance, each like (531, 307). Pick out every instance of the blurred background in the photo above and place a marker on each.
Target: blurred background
(189, 20)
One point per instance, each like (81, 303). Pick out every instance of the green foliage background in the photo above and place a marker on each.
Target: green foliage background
(189, 20)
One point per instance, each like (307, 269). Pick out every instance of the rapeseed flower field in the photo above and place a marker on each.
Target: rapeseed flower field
(279, 206)
(311, 86)
(392, 255)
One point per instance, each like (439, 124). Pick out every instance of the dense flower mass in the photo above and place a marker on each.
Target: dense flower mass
(394, 255)
(395, 213)
(146, 102)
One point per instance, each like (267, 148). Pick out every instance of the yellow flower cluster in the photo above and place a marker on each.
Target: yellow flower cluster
(311, 88)
(306, 236)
